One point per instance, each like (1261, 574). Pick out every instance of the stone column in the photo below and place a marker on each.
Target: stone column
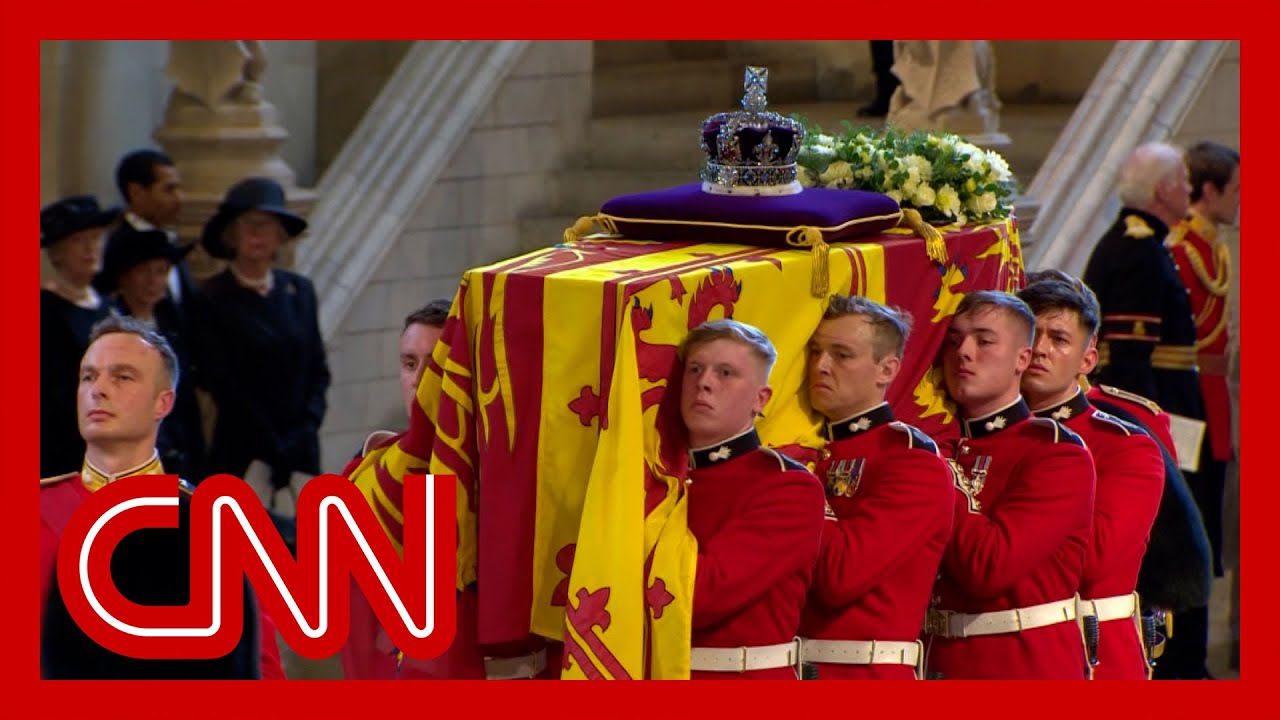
(219, 129)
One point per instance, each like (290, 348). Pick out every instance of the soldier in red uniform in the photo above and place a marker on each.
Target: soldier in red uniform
(1129, 465)
(1005, 602)
(757, 515)
(369, 653)
(892, 495)
(1204, 264)
(127, 384)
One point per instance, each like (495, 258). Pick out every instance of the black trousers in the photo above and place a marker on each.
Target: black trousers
(881, 64)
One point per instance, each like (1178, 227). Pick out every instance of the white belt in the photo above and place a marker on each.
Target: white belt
(742, 659)
(945, 623)
(860, 652)
(1116, 607)
(522, 667)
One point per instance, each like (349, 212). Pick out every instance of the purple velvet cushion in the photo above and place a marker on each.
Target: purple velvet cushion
(686, 213)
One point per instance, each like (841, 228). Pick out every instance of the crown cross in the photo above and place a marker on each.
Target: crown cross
(755, 83)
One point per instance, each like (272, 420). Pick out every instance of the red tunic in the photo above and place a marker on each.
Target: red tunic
(369, 653)
(1204, 263)
(758, 519)
(1155, 420)
(59, 498)
(1130, 472)
(1024, 546)
(893, 497)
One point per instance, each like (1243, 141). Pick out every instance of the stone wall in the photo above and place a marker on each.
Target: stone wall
(535, 125)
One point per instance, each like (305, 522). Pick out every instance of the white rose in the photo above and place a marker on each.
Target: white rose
(824, 140)
(897, 196)
(924, 196)
(948, 200)
(987, 201)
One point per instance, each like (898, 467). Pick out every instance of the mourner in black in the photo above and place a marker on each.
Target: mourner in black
(135, 269)
(71, 232)
(264, 360)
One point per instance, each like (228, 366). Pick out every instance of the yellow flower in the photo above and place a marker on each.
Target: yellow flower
(970, 185)
(948, 200)
(836, 173)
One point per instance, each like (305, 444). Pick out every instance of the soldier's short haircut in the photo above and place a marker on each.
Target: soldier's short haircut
(729, 329)
(129, 326)
(1053, 290)
(433, 314)
(1209, 162)
(1143, 171)
(890, 326)
(1005, 302)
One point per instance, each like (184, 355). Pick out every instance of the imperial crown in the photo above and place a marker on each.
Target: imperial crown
(751, 151)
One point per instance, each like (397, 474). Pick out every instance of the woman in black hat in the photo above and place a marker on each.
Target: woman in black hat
(71, 232)
(264, 360)
(135, 269)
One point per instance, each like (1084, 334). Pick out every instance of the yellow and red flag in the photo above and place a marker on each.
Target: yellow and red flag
(550, 394)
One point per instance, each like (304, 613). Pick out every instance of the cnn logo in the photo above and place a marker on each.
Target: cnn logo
(232, 537)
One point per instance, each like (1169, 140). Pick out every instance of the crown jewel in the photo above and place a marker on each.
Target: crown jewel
(751, 151)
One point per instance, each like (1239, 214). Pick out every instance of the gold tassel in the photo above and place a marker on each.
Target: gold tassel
(579, 229)
(934, 245)
(811, 237)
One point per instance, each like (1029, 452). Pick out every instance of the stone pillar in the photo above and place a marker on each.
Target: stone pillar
(219, 129)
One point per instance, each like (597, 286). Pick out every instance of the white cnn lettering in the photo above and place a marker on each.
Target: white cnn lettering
(322, 624)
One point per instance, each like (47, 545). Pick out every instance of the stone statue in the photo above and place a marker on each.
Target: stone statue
(214, 72)
(946, 85)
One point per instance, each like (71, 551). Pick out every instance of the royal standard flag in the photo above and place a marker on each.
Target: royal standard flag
(548, 349)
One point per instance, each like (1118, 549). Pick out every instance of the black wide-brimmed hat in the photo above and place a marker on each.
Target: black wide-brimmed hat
(255, 193)
(71, 215)
(128, 247)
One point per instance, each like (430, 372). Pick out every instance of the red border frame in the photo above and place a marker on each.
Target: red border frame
(28, 22)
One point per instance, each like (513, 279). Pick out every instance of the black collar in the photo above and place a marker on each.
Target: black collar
(1076, 406)
(736, 446)
(860, 423)
(1013, 413)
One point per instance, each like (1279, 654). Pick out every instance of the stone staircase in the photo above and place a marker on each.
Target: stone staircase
(650, 98)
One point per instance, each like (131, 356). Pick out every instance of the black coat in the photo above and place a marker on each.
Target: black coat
(265, 365)
(1145, 311)
(1175, 572)
(64, 337)
(151, 566)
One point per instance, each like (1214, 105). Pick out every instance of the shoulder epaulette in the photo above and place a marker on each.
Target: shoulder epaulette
(786, 463)
(916, 439)
(1131, 397)
(1061, 433)
(46, 482)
